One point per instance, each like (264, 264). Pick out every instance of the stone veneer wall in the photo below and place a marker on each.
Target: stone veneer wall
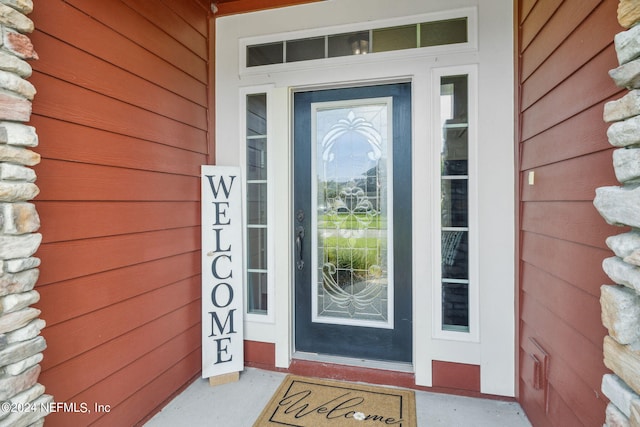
(21, 344)
(621, 206)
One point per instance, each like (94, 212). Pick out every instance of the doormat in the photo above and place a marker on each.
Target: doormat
(310, 402)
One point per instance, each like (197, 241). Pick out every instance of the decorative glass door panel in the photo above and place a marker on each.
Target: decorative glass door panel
(353, 269)
(352, 222)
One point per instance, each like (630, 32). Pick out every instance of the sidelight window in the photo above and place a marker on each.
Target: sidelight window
(454, 170)
(456, 292)
(256, 204)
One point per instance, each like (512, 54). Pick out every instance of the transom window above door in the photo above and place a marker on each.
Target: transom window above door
(434, 31)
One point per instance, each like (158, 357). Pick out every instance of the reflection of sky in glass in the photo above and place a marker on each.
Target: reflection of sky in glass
(446, 107)
(354, 150)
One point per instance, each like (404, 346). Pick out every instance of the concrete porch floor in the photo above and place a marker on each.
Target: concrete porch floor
(239, 404)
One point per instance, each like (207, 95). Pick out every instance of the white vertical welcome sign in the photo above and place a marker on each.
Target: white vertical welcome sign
(222, 274)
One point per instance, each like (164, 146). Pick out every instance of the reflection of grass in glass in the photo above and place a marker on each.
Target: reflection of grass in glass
(355, 221)
(353, 254)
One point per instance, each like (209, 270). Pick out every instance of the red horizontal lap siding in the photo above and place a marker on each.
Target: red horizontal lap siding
(135, 27)
(78, 258)
(62, 180)
(566, 17)
(558, 409)
(127, 384)
(525, 9)
(555, 145)
(570, 304)
(83, 333)
(565, 52)
(193, 36)
(92, 367)
(69, 299)
(576, 383)
(88, 219)
(149, 398)
(83, 69)
(579, 47)
(538, 15)
(60, 20)
(189, 12)
(563, 102)
(63, 101)
(84, 144)
(578, 264)
(573, 351)
(566, 180)
(575, 221)
(123, 123)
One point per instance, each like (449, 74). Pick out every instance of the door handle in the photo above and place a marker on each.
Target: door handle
(299, 242)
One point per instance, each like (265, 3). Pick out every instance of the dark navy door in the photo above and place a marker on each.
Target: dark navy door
(352, 222)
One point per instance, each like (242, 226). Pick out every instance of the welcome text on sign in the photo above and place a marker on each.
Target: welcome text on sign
(222, 275)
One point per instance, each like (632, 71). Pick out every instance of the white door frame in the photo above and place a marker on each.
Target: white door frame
(490, 52)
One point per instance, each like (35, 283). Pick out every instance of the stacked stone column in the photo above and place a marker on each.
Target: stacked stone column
(620, 205)
(22, 399)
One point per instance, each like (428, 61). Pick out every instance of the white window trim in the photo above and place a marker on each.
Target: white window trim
(269, 317)
(473, 335)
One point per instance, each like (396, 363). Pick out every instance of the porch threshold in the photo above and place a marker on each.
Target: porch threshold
(359, 363)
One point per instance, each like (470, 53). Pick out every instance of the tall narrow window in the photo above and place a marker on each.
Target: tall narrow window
(256, 173)
(455, 202)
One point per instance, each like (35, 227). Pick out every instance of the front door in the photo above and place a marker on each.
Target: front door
(352, 222)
